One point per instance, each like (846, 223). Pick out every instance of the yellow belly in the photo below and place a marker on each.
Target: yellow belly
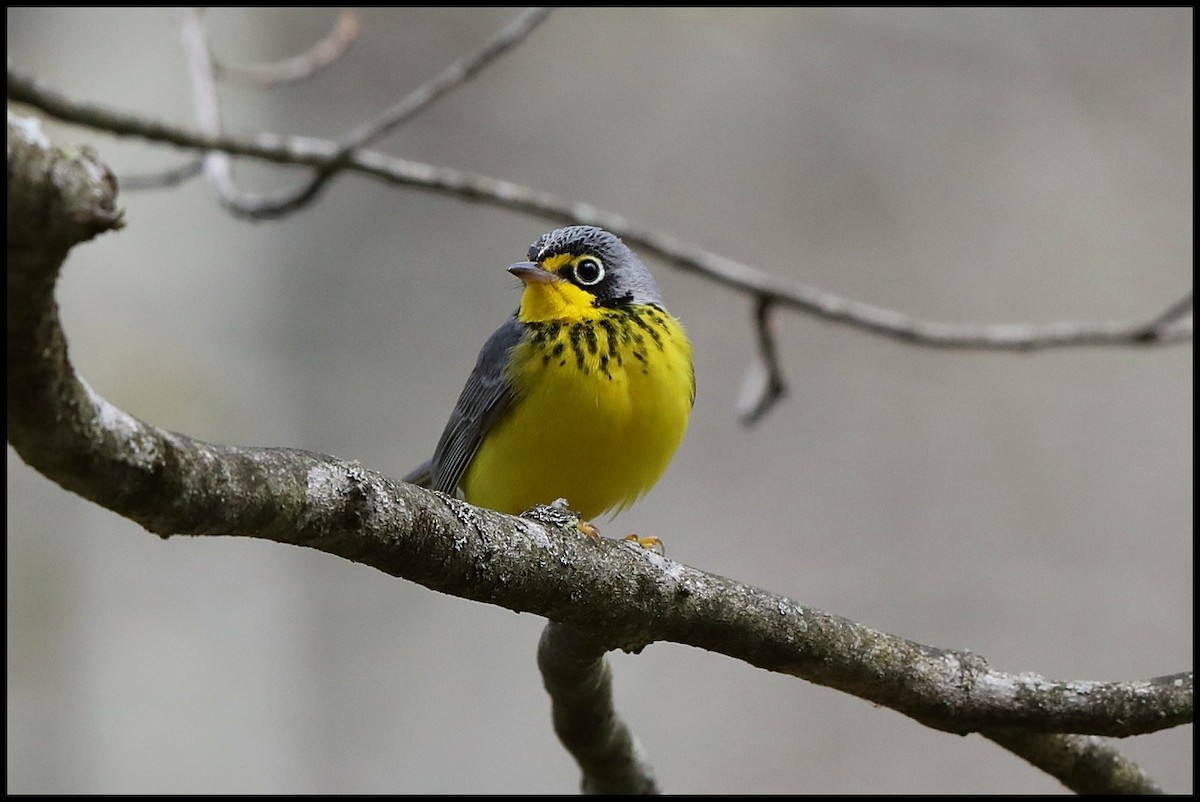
(598, 414)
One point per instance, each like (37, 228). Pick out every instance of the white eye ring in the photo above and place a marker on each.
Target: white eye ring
(588, 271)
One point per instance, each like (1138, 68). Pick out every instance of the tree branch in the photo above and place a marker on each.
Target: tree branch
(764, 385)
(579, 682)
(449, 79)
(1083, 763)
(163, 179)
(1161, 329)
(205, 103)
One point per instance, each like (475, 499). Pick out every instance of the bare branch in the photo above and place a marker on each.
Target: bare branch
(454, 76)
(895, 325)
(764, 385)
(320, 55)
(218, 166)
(579, 681)
(1083, 763)
(167, 178)
(1162, 324)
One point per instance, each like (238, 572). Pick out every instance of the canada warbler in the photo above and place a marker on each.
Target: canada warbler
(583, 394)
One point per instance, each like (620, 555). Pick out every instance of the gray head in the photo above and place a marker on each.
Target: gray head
(597, 262)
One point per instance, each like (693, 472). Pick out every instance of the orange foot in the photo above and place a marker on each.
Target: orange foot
(648, 543)
(588, 529)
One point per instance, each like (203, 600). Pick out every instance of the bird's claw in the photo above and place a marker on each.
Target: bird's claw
(650, 543)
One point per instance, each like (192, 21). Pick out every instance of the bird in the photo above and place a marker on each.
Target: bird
(582, 395)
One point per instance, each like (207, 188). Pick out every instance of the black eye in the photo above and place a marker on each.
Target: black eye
(588, 271)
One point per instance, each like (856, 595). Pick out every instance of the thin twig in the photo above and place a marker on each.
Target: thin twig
(454, 76)
(764, 385)
(1172, 313)
(320, 55)
(205, 103)
(167, 178)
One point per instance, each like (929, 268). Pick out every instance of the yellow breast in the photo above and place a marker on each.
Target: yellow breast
(601, 404)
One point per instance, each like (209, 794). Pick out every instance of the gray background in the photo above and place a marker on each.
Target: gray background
(970, 166)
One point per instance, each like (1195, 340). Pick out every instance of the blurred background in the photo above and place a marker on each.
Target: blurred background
(968, 166)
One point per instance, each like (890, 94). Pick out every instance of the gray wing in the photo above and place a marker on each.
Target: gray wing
(486, 397)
